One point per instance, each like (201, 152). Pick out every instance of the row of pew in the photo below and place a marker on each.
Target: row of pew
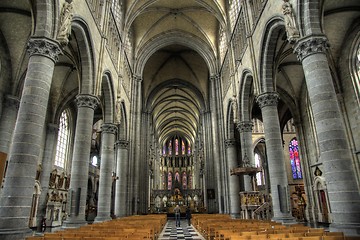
(132, 227)
(223, 227)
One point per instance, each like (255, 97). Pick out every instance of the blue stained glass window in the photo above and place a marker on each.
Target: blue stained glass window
(295, 159)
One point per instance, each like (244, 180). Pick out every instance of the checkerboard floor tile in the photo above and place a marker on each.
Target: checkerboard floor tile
(171, 232)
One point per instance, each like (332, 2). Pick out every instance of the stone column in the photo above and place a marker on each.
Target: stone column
(7, 125)
(334, 148)
(80, 161)
(245, 129)
(215, 144)
(108, 134)
(27, 142)
(121, 182)
(234, 183)
(276, 160)
(47, 166)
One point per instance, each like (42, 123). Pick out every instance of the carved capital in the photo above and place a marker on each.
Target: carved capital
(137, 78)
(230, 143)
(87, 100)
(122, 144)
(245, 126)
(311, 45)
(267, 99)
(215, 77)
(44, 47)
(109, 128)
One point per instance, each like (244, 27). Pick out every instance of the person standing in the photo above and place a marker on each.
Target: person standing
(177, 215)
(188, 215)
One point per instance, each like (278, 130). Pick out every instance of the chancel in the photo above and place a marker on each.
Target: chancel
(244, 113)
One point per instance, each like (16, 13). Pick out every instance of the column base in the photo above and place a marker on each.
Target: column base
(347, 229)
(73, 224)
(285, 220)
(99, 219)
(235, 215)
(15, 234)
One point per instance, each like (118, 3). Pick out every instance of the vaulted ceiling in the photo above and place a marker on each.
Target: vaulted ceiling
(175, 50)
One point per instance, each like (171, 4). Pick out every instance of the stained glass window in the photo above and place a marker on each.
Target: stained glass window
(190, 179)
(184, 180)
(182, 147)
(170, 147)
(164, 150)
(176, 146)
(189, 149)
(294, 159)
(177, 177)
(259, 179)
(169, 181)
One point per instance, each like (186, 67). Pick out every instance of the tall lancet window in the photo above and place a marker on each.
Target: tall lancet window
(184, 180)
(295, 159)
(169, 180)
(63, 140)
(176, 146)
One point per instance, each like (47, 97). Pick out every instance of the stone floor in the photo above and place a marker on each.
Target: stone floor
(171, 232)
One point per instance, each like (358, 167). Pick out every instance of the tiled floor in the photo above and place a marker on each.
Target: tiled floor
(171, 232)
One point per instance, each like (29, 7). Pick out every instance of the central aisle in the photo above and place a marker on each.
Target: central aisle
(171, 232)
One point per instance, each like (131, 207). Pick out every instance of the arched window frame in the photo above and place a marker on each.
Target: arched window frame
(62, 140)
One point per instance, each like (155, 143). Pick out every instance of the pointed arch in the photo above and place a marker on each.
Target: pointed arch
(107, 97)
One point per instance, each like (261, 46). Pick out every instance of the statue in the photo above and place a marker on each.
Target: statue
(65, 23)
(235, 108)
(290, 24)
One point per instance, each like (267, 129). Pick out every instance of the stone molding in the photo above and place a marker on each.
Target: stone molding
(230, 143)
(12, 101)
(44, 47)
(311, 45)
(245, 126)
(267, 99)
(109, 128)
(137, 78)
(52, 128)
(122, 144)
(87, 100)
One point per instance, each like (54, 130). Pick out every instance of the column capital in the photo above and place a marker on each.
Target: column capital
(309, 45)
(109, 128)
(267, 99)
(122, 144)
(87, 100)
(44, 47)
(214, 77)
(231, 142)
(245, 126)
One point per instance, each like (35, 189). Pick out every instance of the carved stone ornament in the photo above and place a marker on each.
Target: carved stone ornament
(235, 108)
(292, 31)
(118, 111)
(109, 128)
(122, 144)
(66, 17)
(230, 143)
(267, 99)
(311, 45)
(86, 100)
(44, 47)
(245, 126)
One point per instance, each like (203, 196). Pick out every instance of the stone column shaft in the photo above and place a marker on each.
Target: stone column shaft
(121, 182)
(7, 125)
(234, 184)
(274, 151)
(334, 148)
(245, 129)
(80, 161)
(47, 166)
(105, 183)
(16, 198)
